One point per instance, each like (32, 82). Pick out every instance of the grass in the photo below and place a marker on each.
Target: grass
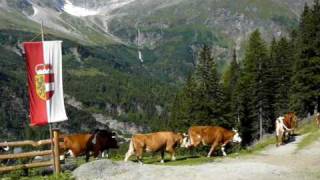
(312, 134)
(34, 174)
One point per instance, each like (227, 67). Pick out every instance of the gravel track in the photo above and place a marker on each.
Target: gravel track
(280, 163)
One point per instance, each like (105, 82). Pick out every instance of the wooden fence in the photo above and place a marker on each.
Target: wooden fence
(54, 152)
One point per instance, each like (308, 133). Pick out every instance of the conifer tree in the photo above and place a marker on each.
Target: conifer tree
(202, 100)
(254, 90)
(230, 80)
(282, 60)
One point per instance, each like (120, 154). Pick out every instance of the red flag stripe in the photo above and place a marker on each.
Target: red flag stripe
(49, 94)
(34, 57)
(49, 78)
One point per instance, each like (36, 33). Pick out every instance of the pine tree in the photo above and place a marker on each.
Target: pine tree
(202, 100)
(210, 98)
(282, 60)
(182, 112)
(230, 80)
(254, 90)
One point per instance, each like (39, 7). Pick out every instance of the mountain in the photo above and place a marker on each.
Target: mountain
(126, 59)
(170, 30)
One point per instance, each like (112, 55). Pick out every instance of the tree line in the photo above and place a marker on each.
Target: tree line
(272, 79)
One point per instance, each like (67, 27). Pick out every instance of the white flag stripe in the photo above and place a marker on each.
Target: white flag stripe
(44, 71)
(55, 106)
(49, 87)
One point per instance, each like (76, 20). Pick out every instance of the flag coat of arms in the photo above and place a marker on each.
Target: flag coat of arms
(44, 71)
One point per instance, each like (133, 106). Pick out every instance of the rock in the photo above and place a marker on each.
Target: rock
(101, 169)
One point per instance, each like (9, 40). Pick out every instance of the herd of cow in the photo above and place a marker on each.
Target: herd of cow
(99, 141)
(165, 141)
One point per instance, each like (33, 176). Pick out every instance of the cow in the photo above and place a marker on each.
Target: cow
(155, 142)
(214, 136)
(318, 120)
(85, 143)
(285, 126)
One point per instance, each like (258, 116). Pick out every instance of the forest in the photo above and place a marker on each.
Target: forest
(272, 79)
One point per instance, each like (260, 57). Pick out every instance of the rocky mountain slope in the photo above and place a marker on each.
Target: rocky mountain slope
(169, 31)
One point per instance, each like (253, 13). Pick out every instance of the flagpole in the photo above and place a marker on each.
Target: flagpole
(42, 36)
(50, 127)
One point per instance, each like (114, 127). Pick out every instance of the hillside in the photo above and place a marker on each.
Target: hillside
(102, 39)
(102, 82)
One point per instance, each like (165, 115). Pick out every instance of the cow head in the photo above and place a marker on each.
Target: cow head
(280, 119)
(4, 149)
(183, 139)
(109, 137)
(236, 137)
(113, 141)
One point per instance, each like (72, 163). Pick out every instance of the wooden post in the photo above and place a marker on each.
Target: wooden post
(56, 154)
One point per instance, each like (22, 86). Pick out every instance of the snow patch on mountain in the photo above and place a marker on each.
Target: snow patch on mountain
(78, 11)
(115, 4)
(35, 11)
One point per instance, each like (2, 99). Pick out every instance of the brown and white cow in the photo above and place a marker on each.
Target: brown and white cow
(155, 142)
(83, 144)
(285, 126)
(214, 136)
(318, 120)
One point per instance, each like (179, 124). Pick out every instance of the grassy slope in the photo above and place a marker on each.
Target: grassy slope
(312, 134)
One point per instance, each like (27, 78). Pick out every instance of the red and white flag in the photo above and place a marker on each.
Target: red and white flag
(44, 66)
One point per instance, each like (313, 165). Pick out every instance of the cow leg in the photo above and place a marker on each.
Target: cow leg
(162, 156)
(213, 147)
(96, 153)
(281, 138)
(222, 150)
(87, 156)
(139, 153)
(105, 154)
(171, 151)
(130, 151)
(128, 154)
(173, 157)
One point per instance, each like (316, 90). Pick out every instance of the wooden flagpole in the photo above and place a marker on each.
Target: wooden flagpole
(42, 34)
(54, 134)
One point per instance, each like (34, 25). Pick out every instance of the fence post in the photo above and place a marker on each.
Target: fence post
(56, 154)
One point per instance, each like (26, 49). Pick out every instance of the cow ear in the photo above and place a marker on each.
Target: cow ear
(185, 135)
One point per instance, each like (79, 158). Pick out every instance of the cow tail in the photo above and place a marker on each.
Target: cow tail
(131, 146)
(130, 150)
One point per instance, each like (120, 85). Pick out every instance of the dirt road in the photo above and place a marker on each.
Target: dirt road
(284, 162)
